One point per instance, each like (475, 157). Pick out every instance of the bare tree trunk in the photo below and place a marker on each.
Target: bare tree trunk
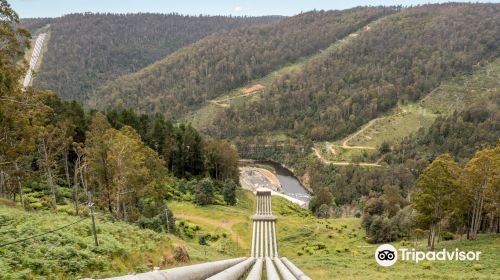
(432, 236)
(498, 223)
(75, 186)
(66, 167)
(83, 169)
(124, 207)
(2, 183)
(48, 169)
(21, 194)
(477, 213)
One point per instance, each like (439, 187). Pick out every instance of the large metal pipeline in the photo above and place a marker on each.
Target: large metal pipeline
(234, 272)
(191, 272)
(270, 234)
(284, 272)
(266, 239)
(271, 272)
(253, 239)
(261, 238)
(275, 240)
(257, 241)
(295, 270)
(256, 272)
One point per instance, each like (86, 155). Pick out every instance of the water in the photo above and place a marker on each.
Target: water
(291, 186)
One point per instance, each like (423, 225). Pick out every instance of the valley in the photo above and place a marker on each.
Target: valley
(141, 142)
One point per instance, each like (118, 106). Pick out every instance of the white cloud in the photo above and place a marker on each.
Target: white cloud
(238, 9)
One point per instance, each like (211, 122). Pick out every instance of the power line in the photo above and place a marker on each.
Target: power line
(42, 234)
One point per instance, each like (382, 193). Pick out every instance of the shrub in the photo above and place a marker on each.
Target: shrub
(404, 243)
(477, 267)
(204, 192)
(426, 265)
(181, 254)
(447, 236)
(229, 192)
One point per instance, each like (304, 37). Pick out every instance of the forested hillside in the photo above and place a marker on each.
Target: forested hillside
(86, 50)
(400, 59)
(221, 62)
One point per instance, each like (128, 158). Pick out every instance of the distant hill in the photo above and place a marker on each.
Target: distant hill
(215, 65)
(86, 50)
(400, 59)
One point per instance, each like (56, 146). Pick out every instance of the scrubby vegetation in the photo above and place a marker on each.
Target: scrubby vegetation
(70, 253)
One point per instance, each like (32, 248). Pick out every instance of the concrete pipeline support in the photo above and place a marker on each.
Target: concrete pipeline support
(284, 272)
(271, 272)
(191, 272)
(295, 270)
(234, 272)
(256, 272)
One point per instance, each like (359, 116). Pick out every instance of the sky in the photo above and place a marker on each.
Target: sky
(55, 8)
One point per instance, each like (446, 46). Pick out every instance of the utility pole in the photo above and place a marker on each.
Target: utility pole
(91, 206)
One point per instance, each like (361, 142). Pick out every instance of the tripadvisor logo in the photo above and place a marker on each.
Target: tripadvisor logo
(387, 255)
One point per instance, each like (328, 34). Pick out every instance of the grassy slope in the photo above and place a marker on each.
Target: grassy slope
(346, 255)
(70, 254)
(301, 238)
(454, 94)
(205, 115)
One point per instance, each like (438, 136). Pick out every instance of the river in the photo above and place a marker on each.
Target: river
(291, 186)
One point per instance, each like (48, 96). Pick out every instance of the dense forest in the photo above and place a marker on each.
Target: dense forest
(54, 154)
(87, 50)
(400, 59)
(221, 62)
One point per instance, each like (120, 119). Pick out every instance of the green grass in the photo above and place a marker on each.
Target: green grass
(346, 254)
(322, 248)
